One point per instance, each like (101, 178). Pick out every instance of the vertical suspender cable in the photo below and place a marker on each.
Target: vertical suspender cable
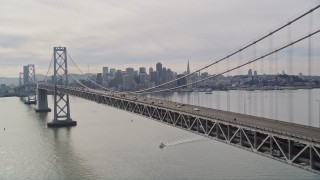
(276, 105)
(290, 74)
(255, 102)
(262, 84)
(310, 94)
(228, 91)
(218, 88)
(239, 83)
(271, 94)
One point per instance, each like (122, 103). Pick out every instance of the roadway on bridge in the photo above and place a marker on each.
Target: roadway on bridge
(287, 129)
(275, 126)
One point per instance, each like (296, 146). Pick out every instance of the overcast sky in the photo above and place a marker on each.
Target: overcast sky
(123, 33)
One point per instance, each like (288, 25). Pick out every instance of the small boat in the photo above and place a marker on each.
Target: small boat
(162, 145)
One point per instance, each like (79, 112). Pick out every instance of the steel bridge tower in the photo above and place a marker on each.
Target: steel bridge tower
(21, 79)
(21, 91)
(30, 83)
(61, 101)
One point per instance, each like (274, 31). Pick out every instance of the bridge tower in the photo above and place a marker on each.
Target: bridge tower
(21, 79)
(21, 90)
(29, 78)
(61, 101)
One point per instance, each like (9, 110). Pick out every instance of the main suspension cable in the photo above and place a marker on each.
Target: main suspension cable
(79, 82)
(88, 77)
(237, 67)
(45, 78)
(235, 52)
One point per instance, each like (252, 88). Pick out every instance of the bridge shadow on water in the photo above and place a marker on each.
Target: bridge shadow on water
(71, 166)
(64, 161)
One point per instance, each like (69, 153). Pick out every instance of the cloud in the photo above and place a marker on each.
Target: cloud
(120, 33)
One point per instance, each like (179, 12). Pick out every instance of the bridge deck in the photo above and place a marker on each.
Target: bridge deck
(308, 133)
(280, 127)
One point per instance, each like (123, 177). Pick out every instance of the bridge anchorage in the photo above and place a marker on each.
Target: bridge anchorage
(29, 79)
(61, 100)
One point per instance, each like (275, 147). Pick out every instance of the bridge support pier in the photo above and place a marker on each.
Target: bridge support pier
(42, 101)
(61, 101)
(62, 123)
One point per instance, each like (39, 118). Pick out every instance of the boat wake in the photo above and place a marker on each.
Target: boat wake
(181, 141)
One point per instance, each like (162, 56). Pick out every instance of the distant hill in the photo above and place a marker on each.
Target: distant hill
(9, 81)
(40, 77)
(15, 81)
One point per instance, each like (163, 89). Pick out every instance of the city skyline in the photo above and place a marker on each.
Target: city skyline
(133, 34)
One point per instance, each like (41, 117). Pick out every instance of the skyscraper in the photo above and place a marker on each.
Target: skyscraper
(118, 77)
(181, 81)
(143, 78)
(99, 78)
(128, 82)
(105, 71)
(150, 70)
(142, 70)
(113, 72)
(188, 79)
(159, 68)
(188, 68)
(164, 75)
(250, 74)
(169, 75)
(154, 77)
(130, 71)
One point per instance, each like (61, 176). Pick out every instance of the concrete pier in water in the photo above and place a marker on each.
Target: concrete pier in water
(42, 101)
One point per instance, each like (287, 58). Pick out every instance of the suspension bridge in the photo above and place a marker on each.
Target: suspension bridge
(294, 144)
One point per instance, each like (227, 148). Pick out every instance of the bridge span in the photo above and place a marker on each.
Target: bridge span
(294, 144)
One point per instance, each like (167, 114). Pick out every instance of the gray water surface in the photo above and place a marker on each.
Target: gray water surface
(296, 106)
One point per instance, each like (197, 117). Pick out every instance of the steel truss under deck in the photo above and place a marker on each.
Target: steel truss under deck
(291, 150)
